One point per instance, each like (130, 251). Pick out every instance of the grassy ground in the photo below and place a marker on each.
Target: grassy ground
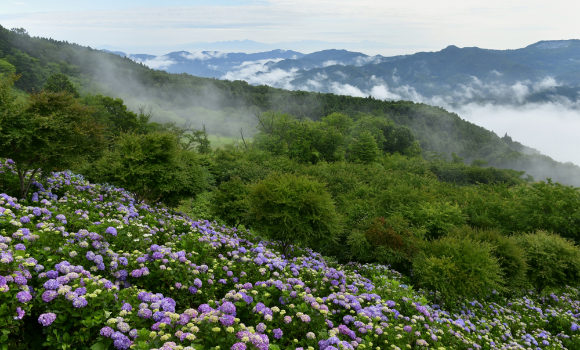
(219, 140)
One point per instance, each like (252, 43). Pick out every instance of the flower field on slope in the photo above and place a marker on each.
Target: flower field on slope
(85, 266)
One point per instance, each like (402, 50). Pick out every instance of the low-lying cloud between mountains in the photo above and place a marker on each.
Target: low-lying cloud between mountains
(539, 111)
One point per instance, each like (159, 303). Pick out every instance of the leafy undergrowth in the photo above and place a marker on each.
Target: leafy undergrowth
(84, 266)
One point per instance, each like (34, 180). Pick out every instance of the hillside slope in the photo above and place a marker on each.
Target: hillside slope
(228, 105)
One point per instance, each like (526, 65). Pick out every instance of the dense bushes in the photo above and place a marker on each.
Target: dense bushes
(293, 209)
(458, 266)
(552, 260)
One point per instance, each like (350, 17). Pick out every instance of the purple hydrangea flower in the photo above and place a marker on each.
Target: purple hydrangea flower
(239, 346)
(278, 333)
(136, 273)
(127, 307)
(49, 296)
(24, 296)
(107, 332)
(20, 313)
(145, 313)
(25, 220)
(228, 308)
(79, 302)
(20, 280)
(47, 319)
(19, 246)
(111, 230)
(228, 320)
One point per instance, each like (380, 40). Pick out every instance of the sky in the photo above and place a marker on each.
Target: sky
(400, 27)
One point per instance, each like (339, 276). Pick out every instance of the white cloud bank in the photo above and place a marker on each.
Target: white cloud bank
(551, 127)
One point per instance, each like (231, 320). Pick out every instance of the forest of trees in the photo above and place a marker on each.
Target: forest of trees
(225, 106)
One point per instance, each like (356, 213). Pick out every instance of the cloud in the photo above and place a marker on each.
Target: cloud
(331, 63)
(361, 60)
(550, 127)
(159, 62)
(205, 55)
(258, 73)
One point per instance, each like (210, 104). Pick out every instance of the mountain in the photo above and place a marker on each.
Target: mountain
(211, 64)
(228, 108)
(250, 46)
(544, 71)
(485, 75)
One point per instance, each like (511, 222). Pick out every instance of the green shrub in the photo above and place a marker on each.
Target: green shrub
(230, 202)
(458, 267)
(553, 261)
(293, 209)
(438, 218)
(511, 257)
(391, 240)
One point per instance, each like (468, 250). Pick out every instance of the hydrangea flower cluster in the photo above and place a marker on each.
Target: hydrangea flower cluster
(171, 282)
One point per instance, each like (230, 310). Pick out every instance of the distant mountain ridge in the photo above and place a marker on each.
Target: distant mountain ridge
(538, 72)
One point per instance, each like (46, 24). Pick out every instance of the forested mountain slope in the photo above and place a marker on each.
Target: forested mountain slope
(184, 98)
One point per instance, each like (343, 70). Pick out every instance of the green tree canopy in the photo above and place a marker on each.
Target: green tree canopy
(364, 149)
(153, 167)
(230, 201)
(60, 83)
(53, 131)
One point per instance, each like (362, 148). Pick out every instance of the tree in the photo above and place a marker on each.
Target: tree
(114, 114)
(364, 149)
(52, 132)
(59, 83)
(293, 209)
(153, 167)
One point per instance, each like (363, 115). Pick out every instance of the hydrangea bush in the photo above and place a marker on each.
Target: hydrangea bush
(86, 266)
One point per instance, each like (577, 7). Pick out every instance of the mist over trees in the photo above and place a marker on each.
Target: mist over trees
(226, 106)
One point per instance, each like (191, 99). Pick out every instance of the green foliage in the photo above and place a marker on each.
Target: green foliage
(392, 240)
(511, 257)
(438, 218)
(113, 113)
(230, 202)
(549, 206)
(53, 131)
(553, 261)
(293, 209)
(60, 83)
(458, 267)
(364, 149)
(153, 167)
(6, 68)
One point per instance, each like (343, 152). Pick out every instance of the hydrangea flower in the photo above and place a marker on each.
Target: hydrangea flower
(47, 319)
